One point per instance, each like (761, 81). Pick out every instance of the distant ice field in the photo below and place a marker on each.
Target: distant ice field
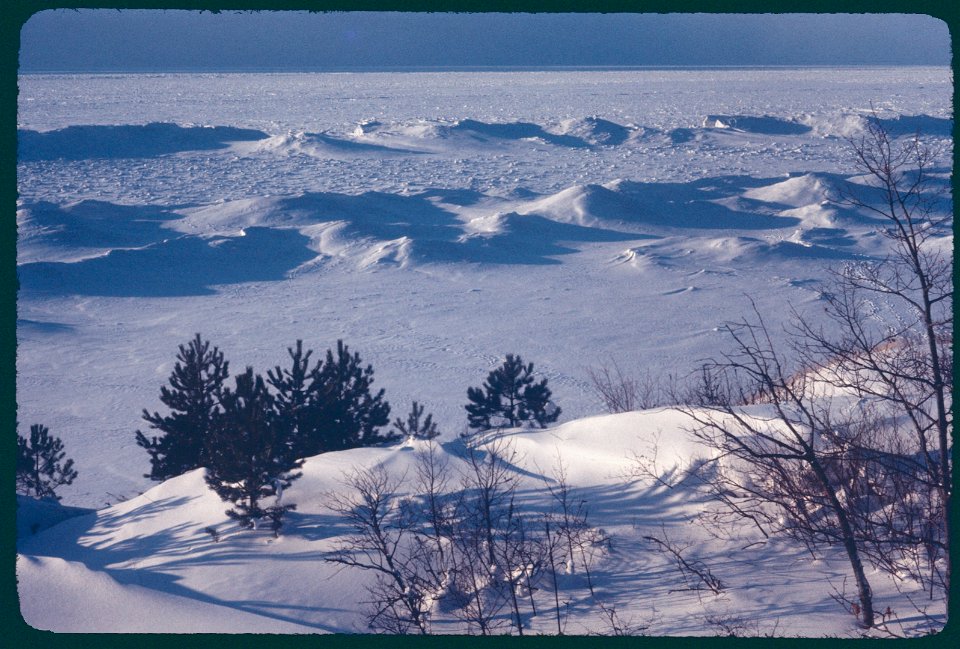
(434, 221)
(335, 103)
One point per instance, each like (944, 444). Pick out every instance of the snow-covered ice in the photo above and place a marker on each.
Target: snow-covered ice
(434, 222)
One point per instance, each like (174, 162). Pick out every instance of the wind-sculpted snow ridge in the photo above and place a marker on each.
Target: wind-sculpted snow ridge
(126, 141)
(765, 125)
(836, 125)
(324, 145)
(797, 191)
(439, 136)
(99, 248)
(596, 131)
(659, 207)
(847, 124)
(170, 560)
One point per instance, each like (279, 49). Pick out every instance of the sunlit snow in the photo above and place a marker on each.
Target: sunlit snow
(435, 222)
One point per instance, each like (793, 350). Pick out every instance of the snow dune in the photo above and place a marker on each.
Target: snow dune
(101, 248)
(765, 125)
(149, 564)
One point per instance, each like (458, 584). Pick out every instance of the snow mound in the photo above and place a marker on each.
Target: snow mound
(762, 125)
(442, 136)
(528, 238)
(169, 560)
(844, 124)
(754, 250)
(322, 145)
(507, 131)
(602, 449)
(584, 205)
(807, 189)
(99, 248)
(596, 131)
(821, 217)
(839, 124)
(126, 141)
(91, 601)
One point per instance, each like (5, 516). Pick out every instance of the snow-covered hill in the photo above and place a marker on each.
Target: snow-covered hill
(150, 563)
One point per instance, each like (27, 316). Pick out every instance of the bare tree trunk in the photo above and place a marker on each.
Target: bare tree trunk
(864, 592)
(553, 573)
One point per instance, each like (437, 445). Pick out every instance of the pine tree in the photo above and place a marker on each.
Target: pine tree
(249, 454)
(329, 407)
(39, 471)
(348, 414)
(298, 400)
(195, 384)
(413, 427)
(510, 397)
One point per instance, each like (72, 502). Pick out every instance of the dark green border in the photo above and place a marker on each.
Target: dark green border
(12, 17)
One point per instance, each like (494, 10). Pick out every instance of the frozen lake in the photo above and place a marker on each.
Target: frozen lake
(433, 220)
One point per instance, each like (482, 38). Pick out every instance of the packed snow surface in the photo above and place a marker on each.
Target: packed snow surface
(435, 222)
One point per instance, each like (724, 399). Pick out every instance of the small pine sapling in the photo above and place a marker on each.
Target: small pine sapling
(510, 397)
(414, 428)
(298, 401)
(39, 468)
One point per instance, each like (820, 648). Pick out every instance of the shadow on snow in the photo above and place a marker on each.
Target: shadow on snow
(126, 141)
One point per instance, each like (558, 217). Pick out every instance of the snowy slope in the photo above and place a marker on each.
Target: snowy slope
(149, 565)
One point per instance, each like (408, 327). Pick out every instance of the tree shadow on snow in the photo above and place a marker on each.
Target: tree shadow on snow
(97, 541)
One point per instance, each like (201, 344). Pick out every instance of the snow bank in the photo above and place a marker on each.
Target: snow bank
(150, 564)
(67, 597)
(806, 189)
(764, 125)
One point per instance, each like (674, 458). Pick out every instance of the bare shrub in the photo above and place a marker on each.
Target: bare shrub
(618, 392)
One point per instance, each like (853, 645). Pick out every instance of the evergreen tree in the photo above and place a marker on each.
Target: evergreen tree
(415, 428)
(39, 471)
(298, 400)
(195, 385)
(249, 454)
(510, 397)
(348, 414)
